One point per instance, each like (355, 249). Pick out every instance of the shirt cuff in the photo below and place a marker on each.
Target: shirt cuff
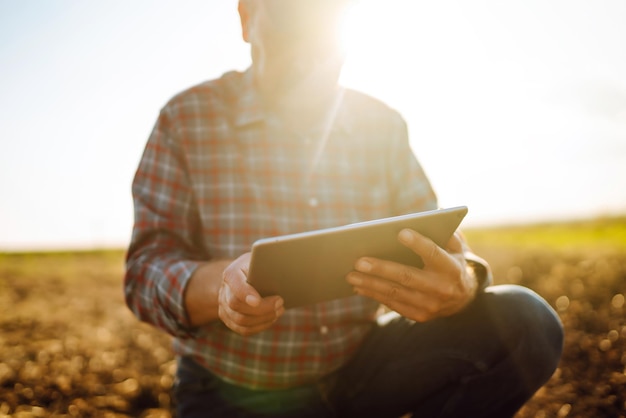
(481, 269)
(171, 295)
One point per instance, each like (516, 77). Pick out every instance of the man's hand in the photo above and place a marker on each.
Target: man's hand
(241, 307)
(443, 287)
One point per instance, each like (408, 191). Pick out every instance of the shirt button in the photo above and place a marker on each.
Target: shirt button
(323, 330)
(313, 202)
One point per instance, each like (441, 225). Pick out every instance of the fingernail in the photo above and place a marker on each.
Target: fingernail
(364, 266)
(252, 300)
(354, 280)
(279, 304)
(406, 236)
(278, 314)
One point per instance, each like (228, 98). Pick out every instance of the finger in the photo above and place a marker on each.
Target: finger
(441, 300)
(416, 305)
(248, 329)
(235, 276)
(230, 312)
(265, 306)
(406, 276)
(377, 288)
(432, 255)
(412, 288)
(246, 319)
(381, 276)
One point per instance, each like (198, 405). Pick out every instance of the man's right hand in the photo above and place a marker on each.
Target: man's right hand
(240, 306)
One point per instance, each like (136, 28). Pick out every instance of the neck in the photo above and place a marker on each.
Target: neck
(298, 107)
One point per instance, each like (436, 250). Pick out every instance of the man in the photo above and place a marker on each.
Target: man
(280, 149)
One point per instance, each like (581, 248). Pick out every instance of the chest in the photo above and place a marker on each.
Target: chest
(250, 184)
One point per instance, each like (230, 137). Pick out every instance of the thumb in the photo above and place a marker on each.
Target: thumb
(252, 298)
(235, 277)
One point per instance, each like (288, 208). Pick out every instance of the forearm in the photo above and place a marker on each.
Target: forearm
(201, 294)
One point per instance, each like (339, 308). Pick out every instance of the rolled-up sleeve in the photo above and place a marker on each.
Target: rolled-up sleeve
(165, 249)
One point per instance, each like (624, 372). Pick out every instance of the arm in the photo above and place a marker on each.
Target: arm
(202, 291)
(170, 281)
(165, 249)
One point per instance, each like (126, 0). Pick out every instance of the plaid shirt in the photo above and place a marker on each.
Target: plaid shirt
(217, 174)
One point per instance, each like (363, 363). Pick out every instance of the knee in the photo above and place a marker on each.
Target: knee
(534, 328)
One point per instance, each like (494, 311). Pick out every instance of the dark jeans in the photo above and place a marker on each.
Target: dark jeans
(484, 362)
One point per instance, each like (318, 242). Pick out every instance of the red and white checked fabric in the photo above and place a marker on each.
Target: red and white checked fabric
(218, 173)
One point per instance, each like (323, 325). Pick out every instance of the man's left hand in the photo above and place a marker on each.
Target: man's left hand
(443, 287)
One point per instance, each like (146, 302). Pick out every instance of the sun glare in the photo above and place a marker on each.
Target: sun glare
(363, 30)
(428, 62)
(353, 28)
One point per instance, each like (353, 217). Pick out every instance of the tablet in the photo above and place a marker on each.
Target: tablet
(310, 267)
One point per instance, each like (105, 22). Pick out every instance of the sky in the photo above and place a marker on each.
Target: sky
(516, 109)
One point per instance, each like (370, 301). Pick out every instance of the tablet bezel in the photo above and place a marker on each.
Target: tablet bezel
(293, 266)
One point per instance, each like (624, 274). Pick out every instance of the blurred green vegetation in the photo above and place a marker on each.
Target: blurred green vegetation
(592, 234)
(63, 265)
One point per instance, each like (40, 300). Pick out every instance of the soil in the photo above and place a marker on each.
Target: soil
(70, 347)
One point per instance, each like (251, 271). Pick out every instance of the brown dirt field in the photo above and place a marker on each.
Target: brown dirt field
(69, 346)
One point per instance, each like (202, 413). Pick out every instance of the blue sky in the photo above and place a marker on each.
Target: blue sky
(516, 109)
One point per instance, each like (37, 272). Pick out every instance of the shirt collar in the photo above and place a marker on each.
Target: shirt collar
(249, 107)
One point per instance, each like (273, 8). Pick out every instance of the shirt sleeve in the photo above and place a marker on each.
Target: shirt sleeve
(165, 249)
(481, 269)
